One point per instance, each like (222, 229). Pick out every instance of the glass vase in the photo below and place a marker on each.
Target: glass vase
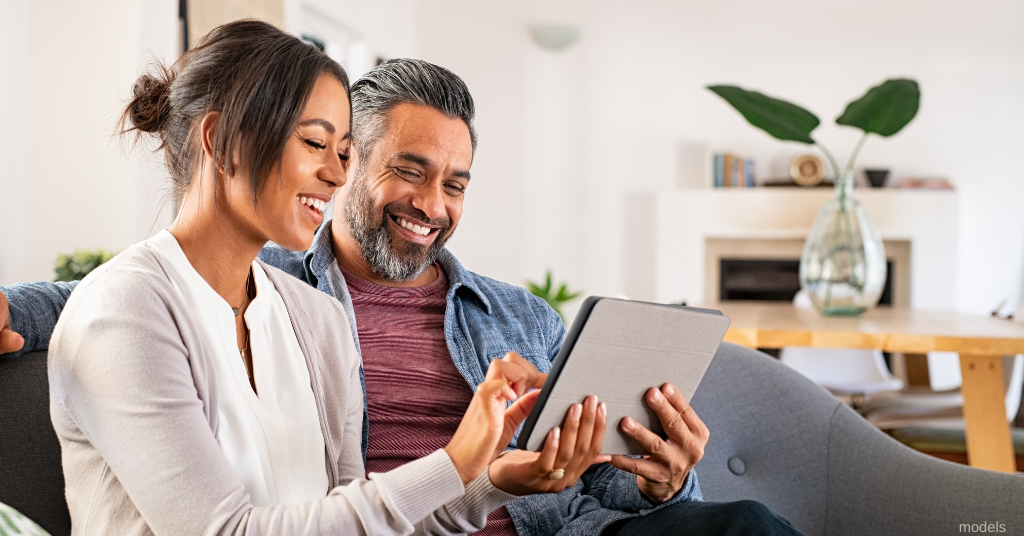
(843, 266)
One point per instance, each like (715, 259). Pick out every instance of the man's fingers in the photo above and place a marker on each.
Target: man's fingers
(676, 428)
(641, 466)
(682, 406)
(647, 439)
(10, 341)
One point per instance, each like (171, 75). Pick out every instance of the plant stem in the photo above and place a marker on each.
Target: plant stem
(856, 151)
(831, 159)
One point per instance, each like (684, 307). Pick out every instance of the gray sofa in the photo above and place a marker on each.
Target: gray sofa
(775, 437)
(778, 438)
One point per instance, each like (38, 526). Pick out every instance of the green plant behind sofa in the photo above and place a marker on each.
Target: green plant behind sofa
(77, 265)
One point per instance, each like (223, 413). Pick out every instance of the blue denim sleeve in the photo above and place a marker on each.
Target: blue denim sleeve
(35, 308)
(617, 490)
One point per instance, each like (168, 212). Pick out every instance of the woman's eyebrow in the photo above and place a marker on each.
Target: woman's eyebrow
(328, 126)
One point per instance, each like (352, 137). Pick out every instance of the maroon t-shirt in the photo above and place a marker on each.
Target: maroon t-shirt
(416, 397)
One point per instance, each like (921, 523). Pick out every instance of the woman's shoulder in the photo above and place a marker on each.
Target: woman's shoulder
(134, 275)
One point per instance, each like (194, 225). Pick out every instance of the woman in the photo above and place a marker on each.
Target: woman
(196, 390)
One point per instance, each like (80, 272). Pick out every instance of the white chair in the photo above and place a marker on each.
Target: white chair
(843, 371)
(940, 410)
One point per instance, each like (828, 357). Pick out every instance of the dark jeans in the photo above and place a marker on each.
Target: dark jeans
(705, 518)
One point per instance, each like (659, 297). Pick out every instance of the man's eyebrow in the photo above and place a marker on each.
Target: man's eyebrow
(425, 162)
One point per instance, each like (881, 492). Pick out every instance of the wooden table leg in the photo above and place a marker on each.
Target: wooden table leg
(988, 433)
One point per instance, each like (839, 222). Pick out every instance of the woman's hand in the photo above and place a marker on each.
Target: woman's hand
(487, 427)
(572, 450)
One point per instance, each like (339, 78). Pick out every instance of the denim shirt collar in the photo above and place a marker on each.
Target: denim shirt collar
(319, 260)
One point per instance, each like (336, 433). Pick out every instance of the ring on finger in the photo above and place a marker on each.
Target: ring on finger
(557, 474)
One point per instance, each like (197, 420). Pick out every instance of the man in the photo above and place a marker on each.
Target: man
(428, 329)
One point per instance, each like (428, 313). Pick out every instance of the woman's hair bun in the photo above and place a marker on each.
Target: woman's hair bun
(150, 105)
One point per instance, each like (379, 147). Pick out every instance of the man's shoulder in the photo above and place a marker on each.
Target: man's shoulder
(286, 260)
(506, 297)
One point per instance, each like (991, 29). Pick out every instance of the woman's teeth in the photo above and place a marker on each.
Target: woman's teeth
(423, 231)
(313, 202)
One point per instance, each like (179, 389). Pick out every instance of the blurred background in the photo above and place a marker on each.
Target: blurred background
(587, 112)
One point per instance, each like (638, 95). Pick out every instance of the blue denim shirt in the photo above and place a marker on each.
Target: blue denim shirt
(484, 319)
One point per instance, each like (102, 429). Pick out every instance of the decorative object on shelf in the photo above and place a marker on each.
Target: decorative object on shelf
(877, 177)
(807, 170)
(77, 265)
(555, 298)
(554, 37)
(925, 184)
(842, 267)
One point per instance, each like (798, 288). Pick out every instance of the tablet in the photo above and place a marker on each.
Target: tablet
(617, 350)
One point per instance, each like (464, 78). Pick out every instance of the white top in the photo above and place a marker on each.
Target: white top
(273, 441)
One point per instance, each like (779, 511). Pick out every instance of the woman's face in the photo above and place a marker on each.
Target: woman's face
(292, 201)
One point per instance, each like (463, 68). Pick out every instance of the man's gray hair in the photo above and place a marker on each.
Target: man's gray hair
(410, 81)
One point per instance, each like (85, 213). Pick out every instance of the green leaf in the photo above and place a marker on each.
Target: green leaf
(885, 109)
(781, 119)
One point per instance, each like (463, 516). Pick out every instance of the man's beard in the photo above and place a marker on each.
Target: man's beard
(390, 257)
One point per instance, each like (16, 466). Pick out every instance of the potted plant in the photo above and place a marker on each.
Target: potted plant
(77, 265)
(843, 266)
(555, 296)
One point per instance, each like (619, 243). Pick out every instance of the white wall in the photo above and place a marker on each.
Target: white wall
(563, 136)
(637, 76)
(66, 70)
(67, 66)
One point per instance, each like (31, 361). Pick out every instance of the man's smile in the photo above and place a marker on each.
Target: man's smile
(414, 230)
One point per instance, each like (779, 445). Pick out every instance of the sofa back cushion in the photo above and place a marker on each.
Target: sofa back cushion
(769, 436)
(31, 478)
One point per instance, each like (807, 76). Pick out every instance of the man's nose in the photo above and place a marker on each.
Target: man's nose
(430, 199)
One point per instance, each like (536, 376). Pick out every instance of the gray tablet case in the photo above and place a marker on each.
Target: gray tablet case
(617, 350)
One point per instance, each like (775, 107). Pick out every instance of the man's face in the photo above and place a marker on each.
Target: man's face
(406, 198)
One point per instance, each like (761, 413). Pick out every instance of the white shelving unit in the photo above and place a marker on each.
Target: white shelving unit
(666, 233)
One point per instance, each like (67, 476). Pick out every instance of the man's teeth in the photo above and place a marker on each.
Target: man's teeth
(424, 231)
(313, 202)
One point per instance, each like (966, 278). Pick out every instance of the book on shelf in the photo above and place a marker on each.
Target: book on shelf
(730, 170)
(739, 179)
(718, 180)
(727, 171)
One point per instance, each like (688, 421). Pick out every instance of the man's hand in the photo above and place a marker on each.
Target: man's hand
(572, 449)
(9, 340)
(662, 474)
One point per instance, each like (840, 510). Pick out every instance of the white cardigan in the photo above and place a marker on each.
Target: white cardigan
(134, 402)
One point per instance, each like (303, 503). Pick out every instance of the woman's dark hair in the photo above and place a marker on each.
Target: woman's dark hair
(257, 76)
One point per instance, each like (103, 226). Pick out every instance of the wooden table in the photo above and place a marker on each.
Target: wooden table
(981, 342)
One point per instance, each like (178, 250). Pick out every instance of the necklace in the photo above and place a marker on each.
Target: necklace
(248, 294)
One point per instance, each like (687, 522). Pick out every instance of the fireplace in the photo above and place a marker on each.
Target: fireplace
(768, 270)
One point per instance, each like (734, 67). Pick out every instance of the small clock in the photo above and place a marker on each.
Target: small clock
(807, 170)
